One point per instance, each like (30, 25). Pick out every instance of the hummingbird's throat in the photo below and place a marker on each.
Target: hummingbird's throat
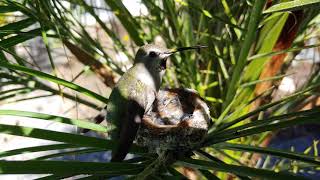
(163, 64)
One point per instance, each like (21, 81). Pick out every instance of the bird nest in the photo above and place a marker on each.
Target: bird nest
(179, 120)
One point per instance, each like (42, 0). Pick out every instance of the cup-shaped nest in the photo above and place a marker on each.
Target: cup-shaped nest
(179, 120)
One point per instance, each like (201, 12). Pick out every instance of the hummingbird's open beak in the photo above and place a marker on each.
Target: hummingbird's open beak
(197, 47)
(165, 55)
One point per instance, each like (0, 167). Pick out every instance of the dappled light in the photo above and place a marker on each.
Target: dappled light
(172, 89)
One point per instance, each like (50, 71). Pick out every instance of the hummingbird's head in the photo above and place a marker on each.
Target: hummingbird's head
(153, 56)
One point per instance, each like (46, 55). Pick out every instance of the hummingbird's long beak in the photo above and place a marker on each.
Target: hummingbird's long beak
(165, 55)
(197, 47)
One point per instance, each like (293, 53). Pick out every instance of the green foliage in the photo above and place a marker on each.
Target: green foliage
(241, 36)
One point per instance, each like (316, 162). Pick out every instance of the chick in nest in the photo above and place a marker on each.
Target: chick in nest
(179, 119)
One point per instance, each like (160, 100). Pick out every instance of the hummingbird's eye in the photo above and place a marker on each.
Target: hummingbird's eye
(153, 54)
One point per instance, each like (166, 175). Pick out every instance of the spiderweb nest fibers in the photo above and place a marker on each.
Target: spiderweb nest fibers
(178, 120)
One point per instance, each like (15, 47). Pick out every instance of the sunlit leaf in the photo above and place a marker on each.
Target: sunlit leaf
(76, 122)
(239, 170)
(54, 79)
(291, 5)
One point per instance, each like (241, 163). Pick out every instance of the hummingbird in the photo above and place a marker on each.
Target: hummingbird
(134, 94)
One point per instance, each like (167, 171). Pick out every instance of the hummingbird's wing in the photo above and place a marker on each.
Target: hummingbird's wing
(128, 130)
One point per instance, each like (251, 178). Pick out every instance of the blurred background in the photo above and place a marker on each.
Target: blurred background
(262, 58)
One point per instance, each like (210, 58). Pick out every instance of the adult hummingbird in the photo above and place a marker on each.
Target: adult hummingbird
(134, 94)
